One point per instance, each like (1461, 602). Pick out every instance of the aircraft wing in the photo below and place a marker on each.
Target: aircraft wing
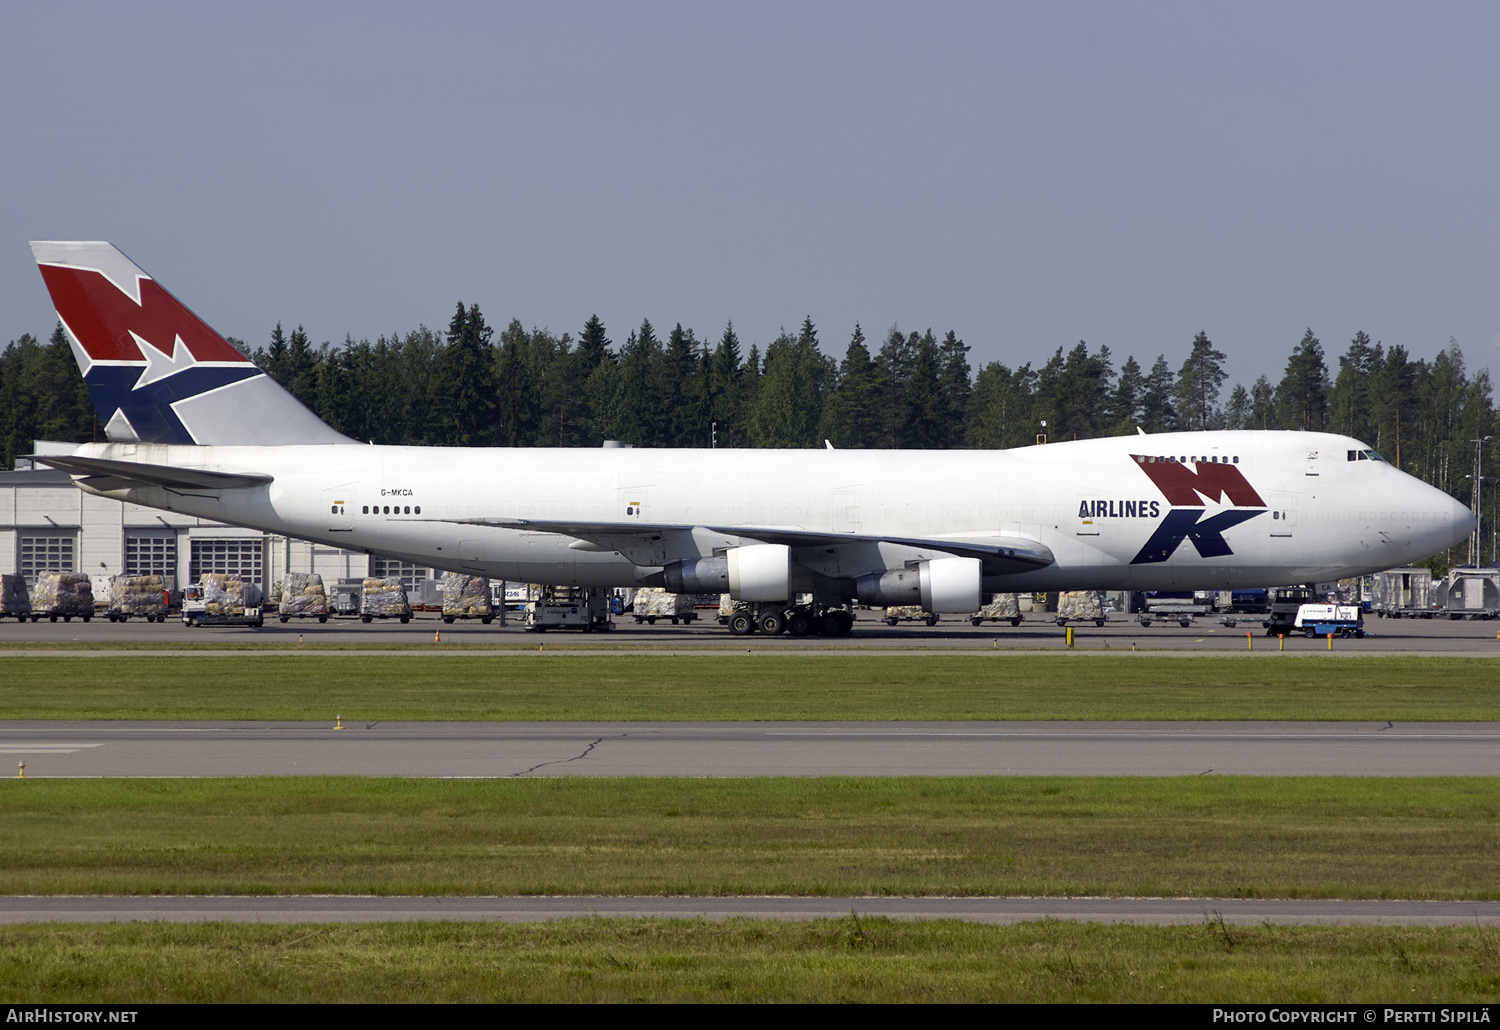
(109, 474)
(654, 543)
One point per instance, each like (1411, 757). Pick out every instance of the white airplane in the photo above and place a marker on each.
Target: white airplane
(195, 427)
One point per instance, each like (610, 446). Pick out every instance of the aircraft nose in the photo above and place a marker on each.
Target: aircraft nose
(1463, 520)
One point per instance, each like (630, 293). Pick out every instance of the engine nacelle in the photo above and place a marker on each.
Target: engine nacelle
(760, 572)
(940, 585)
(697, 576)
(950, 585)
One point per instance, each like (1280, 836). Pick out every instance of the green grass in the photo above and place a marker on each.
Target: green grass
(1247, 837)
(848, 960)
(756, 686)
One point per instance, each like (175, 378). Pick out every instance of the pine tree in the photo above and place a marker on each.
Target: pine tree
(466, 381)
(1302, 394)
(1157, 413)
(1198, 383)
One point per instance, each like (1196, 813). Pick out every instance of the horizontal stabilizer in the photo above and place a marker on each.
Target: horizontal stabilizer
(1000, 556)
(109, 474)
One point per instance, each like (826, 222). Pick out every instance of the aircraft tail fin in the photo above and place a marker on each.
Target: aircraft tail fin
(157, 372)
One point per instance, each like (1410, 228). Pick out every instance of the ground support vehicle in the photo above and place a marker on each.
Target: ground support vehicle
(1281, 612)
(585, 609)
(222, 600)
(1404, 593)
(1080, 606)
(346, 597)
(466, 597)
(1320, 620)
(652, 603)
(1001, 608)
(62, 595)
(14, 597)
(383, 599)
(146, 596)
(909, 613)
(303, 597)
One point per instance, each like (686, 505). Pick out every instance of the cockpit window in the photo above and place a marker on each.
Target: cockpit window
(1365, 455)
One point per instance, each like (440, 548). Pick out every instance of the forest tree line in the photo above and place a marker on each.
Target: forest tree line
(468, 386)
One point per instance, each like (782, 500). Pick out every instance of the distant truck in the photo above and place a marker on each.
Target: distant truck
(222, 600)
(1319, 620)
(1283, 604)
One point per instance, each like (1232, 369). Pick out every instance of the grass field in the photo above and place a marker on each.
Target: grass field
(1218, 837)
(849, 960)
(405, 686)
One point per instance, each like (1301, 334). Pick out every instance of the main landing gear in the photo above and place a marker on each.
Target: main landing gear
(800, 620)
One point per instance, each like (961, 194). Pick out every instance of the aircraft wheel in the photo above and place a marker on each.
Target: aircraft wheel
(837, 624)
(741, 624)
(771, 623)
(801, 624)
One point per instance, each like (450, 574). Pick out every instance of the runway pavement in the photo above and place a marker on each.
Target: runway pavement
(1140, 911)
(508, 749)
(1036, 633)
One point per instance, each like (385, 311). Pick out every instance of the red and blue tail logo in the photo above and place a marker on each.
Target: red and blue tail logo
(156, 372)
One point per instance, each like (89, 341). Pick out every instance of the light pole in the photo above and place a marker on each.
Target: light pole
(1478, 477)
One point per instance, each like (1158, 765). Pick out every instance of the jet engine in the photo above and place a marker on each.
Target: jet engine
(939, 585)
(754, 572)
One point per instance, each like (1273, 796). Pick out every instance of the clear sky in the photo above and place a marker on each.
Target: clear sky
(1027, 175)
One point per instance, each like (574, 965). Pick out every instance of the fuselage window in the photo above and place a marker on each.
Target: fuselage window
(387, 509)
(419, 509)
(365, 510)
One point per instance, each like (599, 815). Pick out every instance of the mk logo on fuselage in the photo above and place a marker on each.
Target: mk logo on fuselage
(1185, 489)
